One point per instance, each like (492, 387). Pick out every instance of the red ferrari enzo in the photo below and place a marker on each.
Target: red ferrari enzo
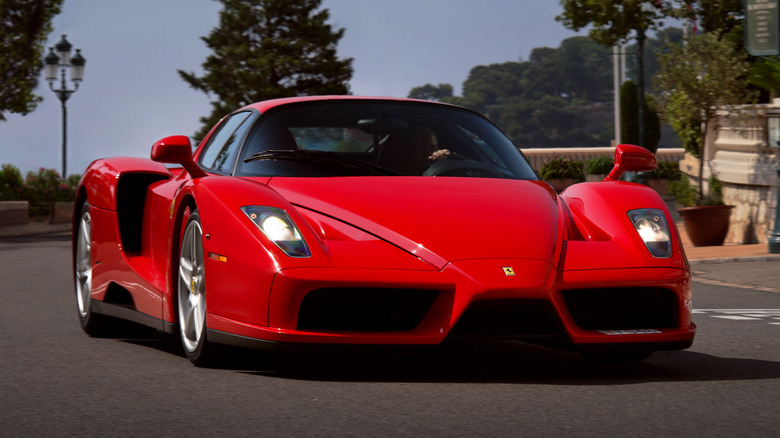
(349, 220)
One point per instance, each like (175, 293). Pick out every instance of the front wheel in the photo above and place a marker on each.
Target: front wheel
(92, 323)
(192, 295)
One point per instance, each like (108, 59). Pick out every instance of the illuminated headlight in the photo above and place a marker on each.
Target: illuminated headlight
(652, 227)
(279, 229)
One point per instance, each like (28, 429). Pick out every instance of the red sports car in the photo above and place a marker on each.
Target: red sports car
(350, 220)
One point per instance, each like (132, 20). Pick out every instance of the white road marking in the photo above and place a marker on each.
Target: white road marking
(735, 317)
(768, 315)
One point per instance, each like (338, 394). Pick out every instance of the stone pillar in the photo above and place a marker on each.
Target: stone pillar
(744, 153)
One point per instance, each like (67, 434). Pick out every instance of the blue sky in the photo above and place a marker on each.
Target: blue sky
(132, 96)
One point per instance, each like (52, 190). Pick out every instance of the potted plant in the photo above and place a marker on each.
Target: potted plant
(697, 79)
(596, 169)
(562, 172)
(706, 218)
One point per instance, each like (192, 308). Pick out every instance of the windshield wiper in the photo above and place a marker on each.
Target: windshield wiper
(318, 156)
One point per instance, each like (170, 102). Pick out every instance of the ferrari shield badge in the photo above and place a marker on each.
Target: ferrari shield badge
(509, 271)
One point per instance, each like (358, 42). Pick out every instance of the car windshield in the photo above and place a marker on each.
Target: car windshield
(367, 138)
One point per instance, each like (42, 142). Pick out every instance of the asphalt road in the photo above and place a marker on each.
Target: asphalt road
(56, 381)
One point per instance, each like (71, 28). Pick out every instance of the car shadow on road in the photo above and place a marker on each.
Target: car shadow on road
(483, 362)
(496, 363)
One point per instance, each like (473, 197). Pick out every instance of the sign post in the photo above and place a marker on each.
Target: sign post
(762, 23)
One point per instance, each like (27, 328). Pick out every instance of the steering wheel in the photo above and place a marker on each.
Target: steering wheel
(469, 168)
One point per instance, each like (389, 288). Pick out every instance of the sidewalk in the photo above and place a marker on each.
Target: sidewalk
(32, 229)
(701, 254)
(724, 253)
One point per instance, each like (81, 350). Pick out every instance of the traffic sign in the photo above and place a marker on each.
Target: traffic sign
(761, 27)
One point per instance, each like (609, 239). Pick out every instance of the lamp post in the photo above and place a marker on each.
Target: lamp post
(62, 61)
(774, 237)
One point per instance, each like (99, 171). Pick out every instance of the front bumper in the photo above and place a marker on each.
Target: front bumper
(500, 299)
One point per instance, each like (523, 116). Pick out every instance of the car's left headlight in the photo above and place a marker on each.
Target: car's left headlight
(277, 226)
(652, 227)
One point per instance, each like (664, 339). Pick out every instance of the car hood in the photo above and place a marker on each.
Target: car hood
(442, 219)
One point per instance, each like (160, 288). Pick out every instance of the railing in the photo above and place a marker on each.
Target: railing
(539, 156)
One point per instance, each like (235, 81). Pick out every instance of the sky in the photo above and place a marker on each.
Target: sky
(132, 95)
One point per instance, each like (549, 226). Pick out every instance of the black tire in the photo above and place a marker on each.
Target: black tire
(191, 296)
(92, 323)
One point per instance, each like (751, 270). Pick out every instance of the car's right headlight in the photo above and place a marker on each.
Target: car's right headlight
(277, 226)
(652, 227)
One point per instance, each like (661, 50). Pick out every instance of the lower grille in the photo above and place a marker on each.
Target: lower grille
(509, 318)
(364, 309)
(622, 308)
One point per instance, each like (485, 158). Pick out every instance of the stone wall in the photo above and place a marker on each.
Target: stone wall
(14, 212)
(740, 155)
(754, 213)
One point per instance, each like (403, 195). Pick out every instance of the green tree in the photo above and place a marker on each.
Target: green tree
(719, 16)
(489, 85)
(431, 92)
(544, 76)
(612, 22)
(265, 49)
(699, 78)
(24, 27)
(582, 64)
(629, 118)
(654, 47)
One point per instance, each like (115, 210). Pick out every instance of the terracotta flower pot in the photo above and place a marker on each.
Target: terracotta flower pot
(706, 225)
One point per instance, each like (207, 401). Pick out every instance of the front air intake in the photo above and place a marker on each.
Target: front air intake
(624, 308)
(364, 309)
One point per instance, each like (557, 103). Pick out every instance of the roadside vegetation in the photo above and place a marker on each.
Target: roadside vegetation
(39, 188)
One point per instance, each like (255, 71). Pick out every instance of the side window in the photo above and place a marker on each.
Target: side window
(220, 153)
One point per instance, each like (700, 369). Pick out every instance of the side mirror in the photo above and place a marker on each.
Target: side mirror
(176, 149)
(630, 158)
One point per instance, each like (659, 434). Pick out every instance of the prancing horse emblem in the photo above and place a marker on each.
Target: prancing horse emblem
(508, 271)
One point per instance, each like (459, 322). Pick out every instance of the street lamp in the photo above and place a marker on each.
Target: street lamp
(63, 60)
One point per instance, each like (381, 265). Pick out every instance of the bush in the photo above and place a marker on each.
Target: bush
(38, 188)
(47, 186)
(11, 183)
(667, 170)
(562, 168)
(599, 166)
(688, 196)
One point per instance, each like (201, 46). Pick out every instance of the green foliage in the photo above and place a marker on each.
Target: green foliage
(534, 101)
(24, 28)
(47, 185)
(599, 166)
(38, 188)
(562, 168)
(431, 92)
(11, 183)
(629, 113)
(265, 49)
(721, 17)
(688, 196)
(629, 118)
(652, 132)
(610, 22)
(667, 170)
(697, 78)
(653, 48)
(765, 74)
(684, 191)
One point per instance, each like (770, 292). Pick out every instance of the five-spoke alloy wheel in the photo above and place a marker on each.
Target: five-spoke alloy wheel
(192, 294)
